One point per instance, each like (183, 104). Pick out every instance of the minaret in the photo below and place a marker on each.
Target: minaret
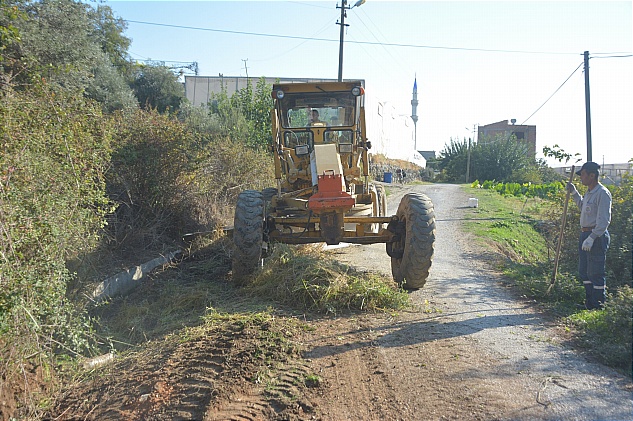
(414, 112)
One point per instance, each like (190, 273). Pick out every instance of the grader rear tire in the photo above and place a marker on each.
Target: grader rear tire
(248, 234)
(417, 243)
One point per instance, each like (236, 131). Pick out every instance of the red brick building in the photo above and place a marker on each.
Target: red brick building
(522, 133)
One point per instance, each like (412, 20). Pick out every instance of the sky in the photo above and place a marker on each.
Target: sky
(475, 62)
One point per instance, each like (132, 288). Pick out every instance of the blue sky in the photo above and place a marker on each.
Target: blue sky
(476, 62)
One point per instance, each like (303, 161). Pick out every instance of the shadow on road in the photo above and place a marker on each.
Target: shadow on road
(421, 331)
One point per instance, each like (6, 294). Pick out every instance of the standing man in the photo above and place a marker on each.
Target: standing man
(595, 216)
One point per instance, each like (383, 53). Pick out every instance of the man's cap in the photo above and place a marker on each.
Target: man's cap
(590, 167)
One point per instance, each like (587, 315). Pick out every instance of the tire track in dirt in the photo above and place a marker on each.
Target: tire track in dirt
(356, 384)
(231, 372)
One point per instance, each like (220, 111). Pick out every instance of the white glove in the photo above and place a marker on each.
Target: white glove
(586, 245)
(571, 188)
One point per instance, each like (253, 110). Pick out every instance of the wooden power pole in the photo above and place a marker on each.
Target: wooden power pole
(587, 107)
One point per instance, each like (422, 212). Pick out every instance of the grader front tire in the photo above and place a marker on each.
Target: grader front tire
(416, 243)
(248, 232)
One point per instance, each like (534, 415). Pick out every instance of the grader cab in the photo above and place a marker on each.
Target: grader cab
(323, 192)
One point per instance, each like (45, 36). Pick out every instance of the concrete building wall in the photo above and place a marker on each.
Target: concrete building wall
(198, 89)
(609, 173)
(523, 133)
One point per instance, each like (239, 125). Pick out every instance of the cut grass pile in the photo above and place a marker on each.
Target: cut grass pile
(295, 279)
(306, 278)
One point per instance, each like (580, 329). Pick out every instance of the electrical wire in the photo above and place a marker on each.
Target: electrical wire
(395, 59)
(628, 55)
(557, 89)
(320, 31)
(387, 44)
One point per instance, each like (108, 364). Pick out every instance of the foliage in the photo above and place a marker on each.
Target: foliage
(559, 154)
(156, 87)
(609, 332)
(245, 116)
(55, 149)
(544, 191)
(69, 44)
(453, 160)
(9, 41)
(528, 238)
(169, 178)
(108, 32)
(57, 35)
(620, 253)
(501, 158)
(109, 88)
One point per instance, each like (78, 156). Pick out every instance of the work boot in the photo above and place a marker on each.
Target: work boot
(596, 300)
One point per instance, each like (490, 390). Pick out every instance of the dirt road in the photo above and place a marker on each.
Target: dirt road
(467, 350)
(470, 352)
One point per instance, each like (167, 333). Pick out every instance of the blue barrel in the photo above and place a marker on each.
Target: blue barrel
(388, 178)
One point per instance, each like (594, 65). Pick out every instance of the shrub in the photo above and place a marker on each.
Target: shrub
(609, 332)
(54, 148)
(170, 177)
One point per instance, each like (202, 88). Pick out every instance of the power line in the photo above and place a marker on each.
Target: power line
(557, 89)
(323, 29)
(226, 31)
(628, 55)
(376, 38)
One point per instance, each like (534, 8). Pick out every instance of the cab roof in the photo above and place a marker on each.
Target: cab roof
(317, 86)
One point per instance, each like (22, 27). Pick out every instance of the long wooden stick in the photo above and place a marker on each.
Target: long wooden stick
(562, 232)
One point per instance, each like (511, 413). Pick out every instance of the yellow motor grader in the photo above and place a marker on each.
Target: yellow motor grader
(323, 191)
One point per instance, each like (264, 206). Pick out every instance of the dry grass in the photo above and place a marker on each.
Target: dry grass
(307, 278)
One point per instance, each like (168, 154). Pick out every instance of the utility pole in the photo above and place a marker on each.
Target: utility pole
(587, 107)
(245, 67)
(343, 8)
(468, 162)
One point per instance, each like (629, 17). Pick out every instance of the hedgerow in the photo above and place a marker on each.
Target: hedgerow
(54, 150)
(544, 191)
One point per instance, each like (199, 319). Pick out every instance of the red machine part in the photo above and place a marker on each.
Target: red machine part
(331, 194)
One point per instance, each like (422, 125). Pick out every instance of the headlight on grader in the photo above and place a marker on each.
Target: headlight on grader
(279, 94)
(301, 150)
(358, 91)
(345, 148)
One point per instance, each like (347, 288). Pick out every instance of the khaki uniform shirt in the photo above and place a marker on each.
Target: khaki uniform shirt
(595, 209)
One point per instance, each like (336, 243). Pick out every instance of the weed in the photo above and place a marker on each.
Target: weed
(312, 380)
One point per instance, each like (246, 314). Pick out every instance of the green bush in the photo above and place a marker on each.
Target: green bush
(609, 332)
(619, 255)
(543, 191)
(169, 177)
(55, 147)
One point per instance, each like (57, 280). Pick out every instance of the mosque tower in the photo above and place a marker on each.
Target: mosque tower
(414, 112)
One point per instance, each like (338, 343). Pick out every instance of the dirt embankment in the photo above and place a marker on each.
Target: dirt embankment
(467, 350)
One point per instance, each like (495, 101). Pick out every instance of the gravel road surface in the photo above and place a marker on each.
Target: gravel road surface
(516, 352)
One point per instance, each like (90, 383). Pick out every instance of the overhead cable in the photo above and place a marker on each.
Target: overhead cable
(388, 44)
(557, 89)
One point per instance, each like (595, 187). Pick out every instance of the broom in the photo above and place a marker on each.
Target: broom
(562, 232)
